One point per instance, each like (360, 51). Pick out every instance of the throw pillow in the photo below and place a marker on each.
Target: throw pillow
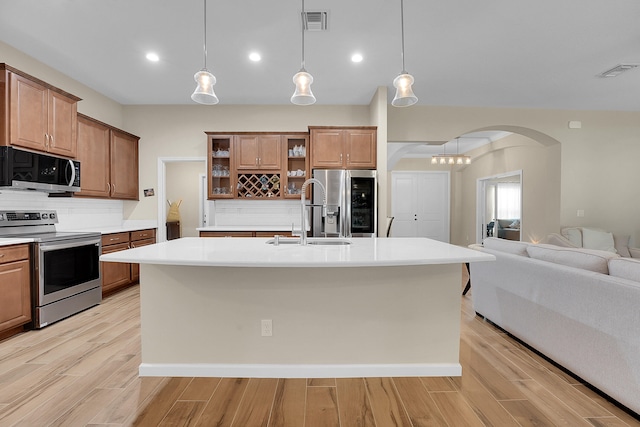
(621, 242)
(573, 234)
(600, 240)
(586, 259)
(626, 268)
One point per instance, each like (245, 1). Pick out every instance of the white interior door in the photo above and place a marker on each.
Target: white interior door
(420, 205)
(404, 206)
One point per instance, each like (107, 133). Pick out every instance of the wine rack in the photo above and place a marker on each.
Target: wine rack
(259, 186)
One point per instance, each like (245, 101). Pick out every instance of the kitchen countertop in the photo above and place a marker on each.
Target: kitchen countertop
(254, 252)
(131, 225)
(246, 228)
(6, 241)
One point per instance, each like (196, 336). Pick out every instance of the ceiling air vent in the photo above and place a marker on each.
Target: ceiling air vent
(617, 70)
(315, 20)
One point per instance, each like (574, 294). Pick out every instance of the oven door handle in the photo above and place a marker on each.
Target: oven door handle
(53, 246)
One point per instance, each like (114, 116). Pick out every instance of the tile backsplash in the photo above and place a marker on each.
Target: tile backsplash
(254, 212)
(73, 212)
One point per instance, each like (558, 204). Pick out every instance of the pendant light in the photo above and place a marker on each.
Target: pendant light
(204, 91)
(404, 94)
(302, 79)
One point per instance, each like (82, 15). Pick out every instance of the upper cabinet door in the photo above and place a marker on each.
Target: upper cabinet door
(258, 152)
(124, 166)
(343, 148)
(246, 151)
(29, 119)
(327, 149)
(62, 125)
(40, 118)
(270, 152)
(94, 157)
(360, 149)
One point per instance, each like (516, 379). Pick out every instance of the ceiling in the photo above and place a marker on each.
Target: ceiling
(496, 53)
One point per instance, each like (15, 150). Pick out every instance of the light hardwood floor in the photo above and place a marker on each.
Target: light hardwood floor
(83, 372)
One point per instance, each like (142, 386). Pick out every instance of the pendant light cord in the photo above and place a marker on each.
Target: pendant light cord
(404, 71)
(205, 34)
(303, 25)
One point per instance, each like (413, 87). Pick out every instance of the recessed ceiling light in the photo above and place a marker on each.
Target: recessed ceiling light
(153, 57)
(356, 57)
(255, 56)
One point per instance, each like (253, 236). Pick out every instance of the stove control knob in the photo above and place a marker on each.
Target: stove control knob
(52, 215)
(1, 217)
(45, 215)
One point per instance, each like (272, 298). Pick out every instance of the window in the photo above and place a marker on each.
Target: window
(508, 200)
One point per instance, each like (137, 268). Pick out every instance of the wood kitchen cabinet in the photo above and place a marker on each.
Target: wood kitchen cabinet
(256, 165)
(343, 147)
(119, 275)
(108, 160)
(115, 275)
(263, 152)
(37, 116)
(15, 289)
(140, 238)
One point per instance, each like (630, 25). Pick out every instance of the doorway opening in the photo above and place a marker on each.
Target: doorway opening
(499, 201)
(179, 171)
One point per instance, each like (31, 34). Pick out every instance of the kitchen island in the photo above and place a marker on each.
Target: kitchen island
(375, 307)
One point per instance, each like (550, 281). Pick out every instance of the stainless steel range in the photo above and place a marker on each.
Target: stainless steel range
(65, 266)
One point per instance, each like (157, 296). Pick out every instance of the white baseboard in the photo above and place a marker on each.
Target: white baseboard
(298, 371)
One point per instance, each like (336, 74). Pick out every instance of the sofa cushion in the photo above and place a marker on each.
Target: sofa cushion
(596, 239)
(625, 268)
(573, 234)
(511, 246)
(586, 259)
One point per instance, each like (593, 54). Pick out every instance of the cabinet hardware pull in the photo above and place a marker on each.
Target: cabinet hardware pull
(2, 255)
(348, 161)
(340, 157)
(108, 188)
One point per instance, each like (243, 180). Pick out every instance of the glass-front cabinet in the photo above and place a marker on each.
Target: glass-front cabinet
(297, 164)
(257, 165)
(221, 181)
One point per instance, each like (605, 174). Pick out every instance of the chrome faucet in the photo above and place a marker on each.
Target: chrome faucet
(303, 217)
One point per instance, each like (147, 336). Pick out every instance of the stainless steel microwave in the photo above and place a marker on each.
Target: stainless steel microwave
(26, 170)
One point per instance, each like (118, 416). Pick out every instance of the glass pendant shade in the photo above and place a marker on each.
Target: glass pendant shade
(204, 93)
(303, 94)
(404, 93)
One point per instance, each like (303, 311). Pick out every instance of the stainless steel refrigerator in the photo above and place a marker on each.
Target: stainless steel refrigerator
(352, 203)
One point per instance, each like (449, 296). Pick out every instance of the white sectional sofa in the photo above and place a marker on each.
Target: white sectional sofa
(579, 307)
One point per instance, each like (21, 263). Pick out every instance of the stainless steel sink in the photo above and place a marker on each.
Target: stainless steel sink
(329, 242)
(321, 241)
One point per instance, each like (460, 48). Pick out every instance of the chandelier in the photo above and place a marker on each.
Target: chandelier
(451, 159)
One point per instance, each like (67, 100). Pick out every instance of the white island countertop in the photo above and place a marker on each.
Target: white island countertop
(255, 252)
